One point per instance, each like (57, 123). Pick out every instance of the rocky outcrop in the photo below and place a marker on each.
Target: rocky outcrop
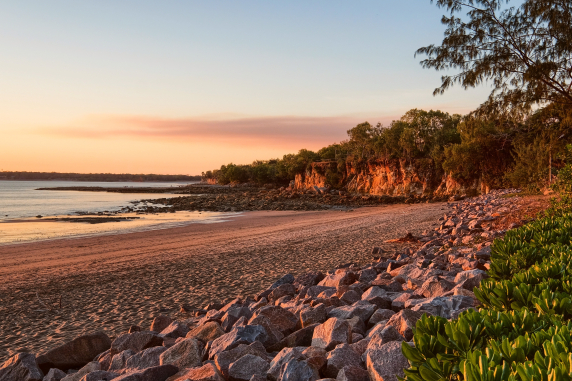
(391, 178)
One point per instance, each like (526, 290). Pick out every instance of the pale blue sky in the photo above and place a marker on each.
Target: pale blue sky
(74, 71)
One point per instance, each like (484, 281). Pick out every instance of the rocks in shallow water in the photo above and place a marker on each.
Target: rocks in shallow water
(21, 367)
(76, 353)
(387, 362)
(331, 333)
(136, 341)
(185, 354)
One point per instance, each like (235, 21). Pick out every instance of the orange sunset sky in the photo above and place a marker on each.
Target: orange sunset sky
(181, 87)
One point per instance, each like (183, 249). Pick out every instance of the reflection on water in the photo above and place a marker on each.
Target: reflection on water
(20, 231)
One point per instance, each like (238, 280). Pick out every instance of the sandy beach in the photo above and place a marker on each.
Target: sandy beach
(54, 290)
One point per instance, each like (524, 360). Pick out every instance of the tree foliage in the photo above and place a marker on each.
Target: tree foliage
(524, 51)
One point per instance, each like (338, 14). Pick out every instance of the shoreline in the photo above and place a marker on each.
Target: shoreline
(110, 282)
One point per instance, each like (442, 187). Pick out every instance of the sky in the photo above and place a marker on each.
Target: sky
(181, 87)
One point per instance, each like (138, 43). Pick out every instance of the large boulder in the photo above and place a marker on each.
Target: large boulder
(160, 323)
(237, 336)
(352, 373)
(298, 370)
(312, 315)
(185, 354)
(206, 332)
(273, 335)
(175, 330)
(86, 369)
(300, 338)
(145, 359)
(282, 358)
(361, 309)
(54, 375)
(247, 366)
(387, 362)
(339, 278)
(21, 367)
(119, 361)
(434, 286)
(331, 333)
(284, 320)
(157, 373)
(76, 353)
(99, 375)
(343, 355)
(224, 359)
(443, 306)
(207, 372)
(136, 341)
(404, 322)
(232, 315)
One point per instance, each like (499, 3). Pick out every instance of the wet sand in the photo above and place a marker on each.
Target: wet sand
(55, 290)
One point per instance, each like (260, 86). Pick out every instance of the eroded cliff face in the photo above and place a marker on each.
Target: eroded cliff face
(394, 178)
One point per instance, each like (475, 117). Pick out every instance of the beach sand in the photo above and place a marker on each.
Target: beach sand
(53, 291)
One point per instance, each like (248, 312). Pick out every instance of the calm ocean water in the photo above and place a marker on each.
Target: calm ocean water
(20, 200)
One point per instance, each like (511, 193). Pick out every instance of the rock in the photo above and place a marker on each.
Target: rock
(361, 346)
(284, 320)
(76, 353)
(343, 355)
(104, 359)
(301, 338)
(157, 373)
(281, 291)
(308, 279)
(247, 366)
(54, 374)
(273, 335)
(316, 358)
(484, 253)
(282, 358)
(380, 315)
(224, 359)
(233, 315)
(185, 354)
(298, 370)
(361, 309)
(352, 373)
(99, 375)
(160, 323)
(286, 279)
(206, 332)
(478, 275)
(367, 275)
(331, 333)
(313, 315)
(373, 292)
(389, 285)
(175, 330)
(207, 372)
(441, 305)
(136, 341)
(314, 291)
(434, 286)
(340, 277)
(386, 363)
(350, 297)
(21, 367)
(404, 322)
(382, 337)
(119, 361)
(145, 359)
(88, 368)
(237, 336)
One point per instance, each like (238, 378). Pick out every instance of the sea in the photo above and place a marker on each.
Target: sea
(21, 202)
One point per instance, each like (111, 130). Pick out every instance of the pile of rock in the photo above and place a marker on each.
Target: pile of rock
(347, 324)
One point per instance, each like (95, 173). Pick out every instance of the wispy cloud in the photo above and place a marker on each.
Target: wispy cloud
(278, 130)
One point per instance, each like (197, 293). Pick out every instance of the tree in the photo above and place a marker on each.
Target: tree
(524, 51)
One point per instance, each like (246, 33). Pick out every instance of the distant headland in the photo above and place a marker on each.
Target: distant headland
(108, 177)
